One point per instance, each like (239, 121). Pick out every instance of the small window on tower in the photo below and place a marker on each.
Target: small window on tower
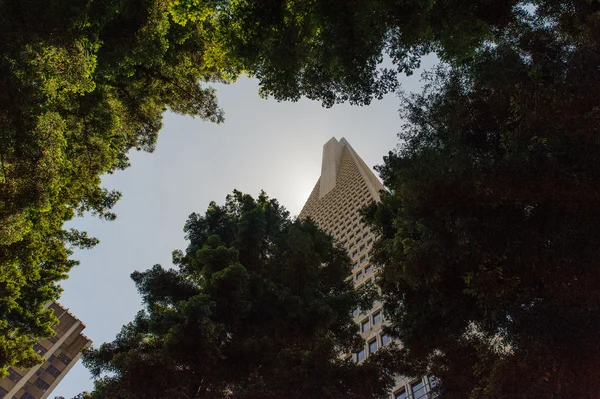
(365, 325)
(13, 375)
(385, 339)
(401, 394)
(41, 384)
(64, 358)
(373, 346)
(53, 371)
(377, 318)
(360, 356)
(418, 389)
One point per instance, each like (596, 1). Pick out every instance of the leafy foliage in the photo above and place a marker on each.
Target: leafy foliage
(258, 306)
(332, 50)
(489, 240)
(83, 82)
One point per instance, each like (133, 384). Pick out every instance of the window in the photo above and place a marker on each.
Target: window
(27, 395)
(3, 392)
(418, 389)
(359, 275)
(368, 269)
(376, 318)
(13, 375)
(354, 254)
(64, 358)
(355, 313)
(385, 339)
(51, 358)
(364, 326)
(373, 346)
(362, 248)
(41, 384)
(360, 356)
(39, 349)
(401, 394)
(53, 371)
(355, 265)
(433, 382)
(362, 259)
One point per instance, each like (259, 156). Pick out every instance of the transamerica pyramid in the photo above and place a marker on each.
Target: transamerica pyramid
(345, 186)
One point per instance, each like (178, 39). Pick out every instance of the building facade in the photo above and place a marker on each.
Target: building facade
(345, 186)
(61, 353)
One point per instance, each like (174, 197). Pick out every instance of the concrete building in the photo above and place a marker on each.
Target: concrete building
(61, 353)
(346, 185)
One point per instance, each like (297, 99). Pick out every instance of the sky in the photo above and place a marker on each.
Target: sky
(262, 145)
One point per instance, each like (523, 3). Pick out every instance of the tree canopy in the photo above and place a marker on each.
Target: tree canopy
(258, 306)
(333, 50)
(83, 82)
(489, 239)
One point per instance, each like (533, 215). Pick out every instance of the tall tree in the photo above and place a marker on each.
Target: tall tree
(259, 306)
(82, 83)
(489, 232)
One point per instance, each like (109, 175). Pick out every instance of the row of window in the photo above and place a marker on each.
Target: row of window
(41, 384)
(372, 346)
(366, 283)
(340, 203)
(357, 252)
(346, 228)
(338, 217)
(355, 237)
(361, 243)
(363, 273)
(418, 389)
(53, 371)
(374, 320)
(325, 208)
(64, 358)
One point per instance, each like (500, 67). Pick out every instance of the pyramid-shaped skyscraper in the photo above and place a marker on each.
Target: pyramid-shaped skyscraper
(345, 186)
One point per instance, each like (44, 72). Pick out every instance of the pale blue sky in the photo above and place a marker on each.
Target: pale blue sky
(263, 144)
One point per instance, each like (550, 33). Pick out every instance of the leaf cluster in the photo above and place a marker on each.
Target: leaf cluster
(489, 240)
(82, 83)
(259, 306)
